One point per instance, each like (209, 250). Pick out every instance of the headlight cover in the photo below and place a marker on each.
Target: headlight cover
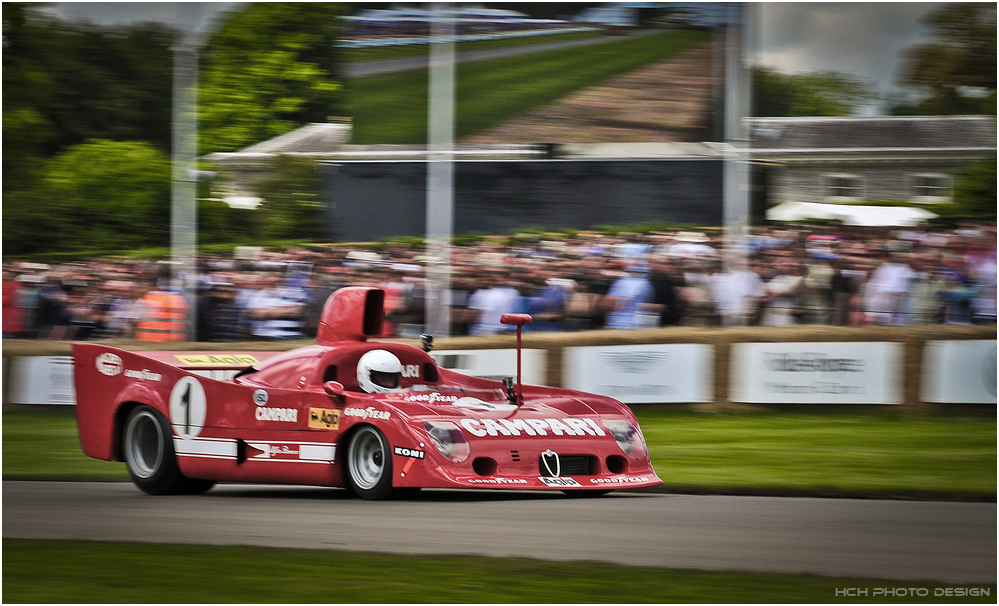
(448, 439)
(629, 437)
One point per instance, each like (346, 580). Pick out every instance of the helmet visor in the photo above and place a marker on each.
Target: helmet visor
(389, 380)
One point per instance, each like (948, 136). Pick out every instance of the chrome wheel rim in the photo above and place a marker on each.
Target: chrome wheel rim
(367, 458)
(144, 446)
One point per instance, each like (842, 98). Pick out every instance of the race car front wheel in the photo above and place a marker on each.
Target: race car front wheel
(147, 445)
(369, 464)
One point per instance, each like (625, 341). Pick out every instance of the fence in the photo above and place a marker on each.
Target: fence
(721, 368)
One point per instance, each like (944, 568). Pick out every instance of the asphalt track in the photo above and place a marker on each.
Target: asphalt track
(905, 540)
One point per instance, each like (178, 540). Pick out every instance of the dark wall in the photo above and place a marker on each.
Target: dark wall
(372, 200)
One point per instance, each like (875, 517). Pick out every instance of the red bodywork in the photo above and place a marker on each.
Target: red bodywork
(284, 418)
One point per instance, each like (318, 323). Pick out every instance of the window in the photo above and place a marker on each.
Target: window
(844, 187)
(930, 188)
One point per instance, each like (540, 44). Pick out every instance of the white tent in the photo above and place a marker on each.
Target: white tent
(850, 215)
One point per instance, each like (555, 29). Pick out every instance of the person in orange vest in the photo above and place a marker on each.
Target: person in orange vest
(164, 317)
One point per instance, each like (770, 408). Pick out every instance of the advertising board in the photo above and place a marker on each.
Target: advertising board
(495, 363)
(959, 372)
(642, 374)
(41, 380)
(816, 373)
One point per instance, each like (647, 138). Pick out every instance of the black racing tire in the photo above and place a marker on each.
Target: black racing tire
(583, 492)
(369, 464)
(147, 447)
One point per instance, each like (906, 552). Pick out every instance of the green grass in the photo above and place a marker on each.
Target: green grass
(882, 453)
(801, 452)
(42, 443)
(379, 53)
(90, 572)
(393, 108)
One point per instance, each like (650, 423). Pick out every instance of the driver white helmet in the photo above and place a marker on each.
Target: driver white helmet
(379, 371)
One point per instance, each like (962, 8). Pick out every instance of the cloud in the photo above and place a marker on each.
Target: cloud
(863, 39)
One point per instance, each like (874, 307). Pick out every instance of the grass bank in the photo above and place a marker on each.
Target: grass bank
(876, 454)
(393, 108)
(381, 53)
(90, 572)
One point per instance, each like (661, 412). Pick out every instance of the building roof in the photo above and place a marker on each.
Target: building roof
(311, 138)
(874, 133)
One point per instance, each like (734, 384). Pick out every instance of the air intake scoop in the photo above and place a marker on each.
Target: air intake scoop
(352, 314)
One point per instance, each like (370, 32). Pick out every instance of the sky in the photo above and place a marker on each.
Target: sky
(865, 39)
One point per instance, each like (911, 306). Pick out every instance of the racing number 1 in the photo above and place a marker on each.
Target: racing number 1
(188, 407)
(185, 401)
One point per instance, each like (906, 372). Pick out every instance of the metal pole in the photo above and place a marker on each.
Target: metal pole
(183, 216)
(736, 169)
(440, 172)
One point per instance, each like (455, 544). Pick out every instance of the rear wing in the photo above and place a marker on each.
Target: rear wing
(211, 364)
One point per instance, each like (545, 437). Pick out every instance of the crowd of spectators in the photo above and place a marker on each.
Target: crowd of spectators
(781, 276)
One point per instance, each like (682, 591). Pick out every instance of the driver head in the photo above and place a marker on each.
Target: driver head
(379, 371)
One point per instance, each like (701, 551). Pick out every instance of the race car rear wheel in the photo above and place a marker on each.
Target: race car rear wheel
(147, 445)
(369, 464)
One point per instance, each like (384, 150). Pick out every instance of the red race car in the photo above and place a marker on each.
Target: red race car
(381, 418)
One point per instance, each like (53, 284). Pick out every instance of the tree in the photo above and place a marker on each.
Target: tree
(64, 85)
(270, 69)
(813, 94)
(957, 70)
(108, 195)
(975, 189)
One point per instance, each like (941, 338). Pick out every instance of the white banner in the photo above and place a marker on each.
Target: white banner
(959, 372)
(816, 373)
(642, 374)
(41, 380)
(495, 363)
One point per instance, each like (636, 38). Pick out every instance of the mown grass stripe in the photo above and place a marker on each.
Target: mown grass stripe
(95, 572)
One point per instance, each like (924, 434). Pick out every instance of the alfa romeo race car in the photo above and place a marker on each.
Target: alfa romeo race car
(378, 417)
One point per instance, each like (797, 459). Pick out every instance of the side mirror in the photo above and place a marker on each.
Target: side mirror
(427, 342)
(516, 319)
(334, 389)
(519, 320)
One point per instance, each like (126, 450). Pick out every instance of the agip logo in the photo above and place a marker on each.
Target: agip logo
(109, 364)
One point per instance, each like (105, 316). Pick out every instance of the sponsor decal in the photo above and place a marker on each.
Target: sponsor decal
(284, 415)
(258, 450)
(260, 397)
(562, 482)
(481, 428)
(408, 452)
(287, 452)
(367, 413)
(324, 418)
(810, 362)
(497, 481)
(109, 364)
(143, 375)
(618, 480)
(636, 362)
(411, 371)
(216, 359)
(430, 398)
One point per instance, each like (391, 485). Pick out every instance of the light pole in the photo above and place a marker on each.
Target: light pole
(184, 213)
(440, 172)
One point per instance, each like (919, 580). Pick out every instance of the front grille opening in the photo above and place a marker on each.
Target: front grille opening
(485, 466)
(617, 464)
(515, 455)
(569, 465)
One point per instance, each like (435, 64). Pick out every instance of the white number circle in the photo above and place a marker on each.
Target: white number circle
(188, 407)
